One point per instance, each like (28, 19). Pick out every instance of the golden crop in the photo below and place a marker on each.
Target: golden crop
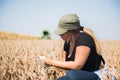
(18, 62)
(14, 36)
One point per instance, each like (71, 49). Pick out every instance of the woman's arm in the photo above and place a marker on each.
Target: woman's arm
(82, 53)
(63, 56)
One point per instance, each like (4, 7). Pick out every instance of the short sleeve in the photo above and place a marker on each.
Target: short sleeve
(85, 40)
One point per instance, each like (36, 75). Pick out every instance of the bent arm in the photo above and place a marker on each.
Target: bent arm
(82, 53)
(63, 56)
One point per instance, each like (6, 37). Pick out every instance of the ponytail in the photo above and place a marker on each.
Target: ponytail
(91, 33)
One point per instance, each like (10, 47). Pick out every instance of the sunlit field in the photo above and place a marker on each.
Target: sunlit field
(18, 62)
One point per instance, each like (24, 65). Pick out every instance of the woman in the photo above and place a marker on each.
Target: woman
(81, 50)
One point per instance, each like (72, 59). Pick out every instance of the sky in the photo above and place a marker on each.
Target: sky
(34, 16)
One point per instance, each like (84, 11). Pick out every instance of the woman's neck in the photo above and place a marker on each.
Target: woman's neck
(74, 37)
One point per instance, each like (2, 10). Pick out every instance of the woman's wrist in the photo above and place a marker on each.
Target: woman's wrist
(49, 62)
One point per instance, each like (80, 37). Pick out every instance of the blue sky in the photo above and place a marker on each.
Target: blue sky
(33, 16)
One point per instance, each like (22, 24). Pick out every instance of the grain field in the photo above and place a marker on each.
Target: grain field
(18, 62)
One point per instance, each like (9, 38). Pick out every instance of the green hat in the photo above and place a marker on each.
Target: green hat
(66, 23)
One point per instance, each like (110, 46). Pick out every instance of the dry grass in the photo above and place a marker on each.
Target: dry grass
(17, 60)
(111, 54)
(14, 36)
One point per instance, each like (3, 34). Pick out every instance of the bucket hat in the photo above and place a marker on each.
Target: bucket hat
(66, 23)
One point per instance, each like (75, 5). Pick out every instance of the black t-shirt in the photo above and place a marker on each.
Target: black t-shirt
(94, 60)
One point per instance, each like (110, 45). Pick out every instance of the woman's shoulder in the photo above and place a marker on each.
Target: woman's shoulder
(84, 36)
(84, 39)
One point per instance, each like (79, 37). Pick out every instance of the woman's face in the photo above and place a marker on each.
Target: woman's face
(64, 36)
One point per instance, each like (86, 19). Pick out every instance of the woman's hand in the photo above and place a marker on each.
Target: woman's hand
(41, 58)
